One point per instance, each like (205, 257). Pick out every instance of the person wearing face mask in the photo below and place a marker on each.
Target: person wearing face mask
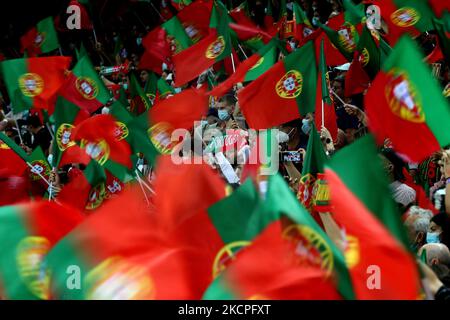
(439, 229)
(225, 111)
(416, 225)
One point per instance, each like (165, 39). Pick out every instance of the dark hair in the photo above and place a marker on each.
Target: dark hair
(34, 121)
(442, 272)
(443, 220)
(396, 161)
(228, 99)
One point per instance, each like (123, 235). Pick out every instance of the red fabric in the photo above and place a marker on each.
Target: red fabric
(195, 18)
(261, 105)
(270, 269)
(356, 79)
(191, 62)
(52, 70)
(246, 32)
(88, 130)
(370, 243)
(385, 124)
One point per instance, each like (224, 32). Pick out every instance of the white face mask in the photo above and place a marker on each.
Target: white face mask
(282, 137)
(223, 114)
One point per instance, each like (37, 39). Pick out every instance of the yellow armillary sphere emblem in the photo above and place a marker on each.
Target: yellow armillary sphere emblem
(118, 279)
(63, 134)
(121, 131)
(226, 255)
(258, 63)
(87, 87)
(98, 151)
(216, 48)
(290, 85)
(364, 57)
(39, 39)
(403, 98)
(39, 168)
(31, 84)
(405, 17)
(30, 253)
(309, 248)
(160, 136)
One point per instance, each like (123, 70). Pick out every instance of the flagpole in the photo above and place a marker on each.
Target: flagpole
(18, 131)
(242, 50)
(232, 61)
(323, 115)
(40, 175)
(95, 34)
(142, 188)
(160, 15)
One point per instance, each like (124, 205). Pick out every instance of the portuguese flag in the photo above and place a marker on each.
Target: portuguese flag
(84, 190)
(406, 104)
(40, 39)
(110, 151)
(180, 4)
(268, 270)
(195, 19)
(313, 164)
(66, 116)
(167, 39)
(284, 92)
(118, 261)
(249, 69)
(139, 101)
(84, 87)
(303, 27)
(215, 47)
(152, 131)
(374, 234)
(313, 249)
(11, 163)
(39, 166)
(33, 82)
(405, 16)
(157, 88)
(327, 117)
(28, 232)
(252, 37)
(372, 52)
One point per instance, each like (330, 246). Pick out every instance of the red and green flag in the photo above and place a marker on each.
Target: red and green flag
(325, 114)
(106, 147)
(11, 163)
(180, 4)
(84, 190)
(313, 165)
(152, 131)
(204, 54)
(28, 232)
(373, 231)
(406, 105)
(33, 82)
(127, 261)
(84, 87)
(157, 88)
(66, 117)
(40, 39)
(249, 69)
(284, 92)
(405, 16)
(139, 102)
(269, 269)
(310, 248)
(303, 28)
(195, 19)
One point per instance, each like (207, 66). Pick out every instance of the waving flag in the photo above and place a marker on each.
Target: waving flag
(40, 39)
(405, 101)
(284, 92)
(372, 226)
(33, 82)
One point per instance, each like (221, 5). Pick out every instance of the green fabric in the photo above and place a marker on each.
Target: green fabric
(219, 21)
(334, 37)
(63, 255)
(13, 230)
(323, 74)
(47, 27)
(407, 58)
(64, 116)
(85, 69)
(140, 140)
(219, 290)
(175, 29)
(94, 173)
(10, 143)
(360, 169)
(353, 13)
(425, 22)
(268, 55)
(136, 92)
(367, 45)
(303, 60)
(315, 157)
(300, 16)
(232, 215)
(12, 70)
